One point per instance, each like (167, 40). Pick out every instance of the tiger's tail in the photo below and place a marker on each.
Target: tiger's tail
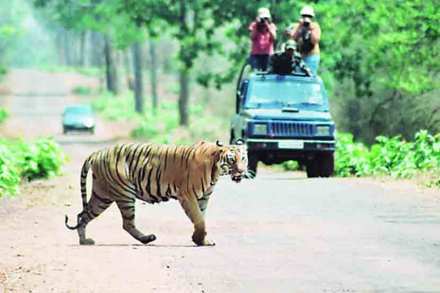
(83, 184)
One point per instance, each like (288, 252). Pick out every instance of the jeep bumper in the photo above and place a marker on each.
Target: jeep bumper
(295, 145)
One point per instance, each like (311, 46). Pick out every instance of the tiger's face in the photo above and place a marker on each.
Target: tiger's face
(234, 162)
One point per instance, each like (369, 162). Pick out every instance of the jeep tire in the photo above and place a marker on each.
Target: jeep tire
(312, 168)
(322, 165)
(327, 164)
(252, 163)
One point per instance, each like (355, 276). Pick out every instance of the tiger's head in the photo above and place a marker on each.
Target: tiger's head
(233, 160)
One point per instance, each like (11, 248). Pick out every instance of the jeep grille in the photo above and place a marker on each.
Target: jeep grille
(284, 129)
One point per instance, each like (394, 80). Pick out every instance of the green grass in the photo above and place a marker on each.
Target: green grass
(3, 115)
(88, 71)
(82, 91)
(27, 161)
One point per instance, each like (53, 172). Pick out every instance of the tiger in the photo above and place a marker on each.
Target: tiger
(155, 173)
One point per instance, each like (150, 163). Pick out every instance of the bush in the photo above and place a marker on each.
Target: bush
(389, 156)
(290, 165)
(3, 115)
(115, 108)
(27, 161)
(9, 173)
(82, 91)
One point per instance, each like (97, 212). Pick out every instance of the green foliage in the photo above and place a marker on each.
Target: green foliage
(115, 108)
(3, 115)
(162, 126)
(379, 60)
(351, 158)
(384, 57)
(9, 173)
(82, 91)
(42, 158)
(290, 165)
(87, 71)
(389, 156)
(106, 17)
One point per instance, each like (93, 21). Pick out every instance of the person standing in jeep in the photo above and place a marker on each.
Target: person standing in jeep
(307, 34)
(263, 34)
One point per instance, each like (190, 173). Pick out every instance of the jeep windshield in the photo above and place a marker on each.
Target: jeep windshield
(288, 94)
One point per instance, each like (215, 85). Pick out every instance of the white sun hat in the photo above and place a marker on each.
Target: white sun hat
(264, 12)
(307, 11)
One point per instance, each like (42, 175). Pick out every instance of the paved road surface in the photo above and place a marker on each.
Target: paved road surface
(278, 233)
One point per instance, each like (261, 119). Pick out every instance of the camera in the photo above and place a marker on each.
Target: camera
(263, 20)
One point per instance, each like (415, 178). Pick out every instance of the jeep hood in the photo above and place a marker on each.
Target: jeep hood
(278, 114)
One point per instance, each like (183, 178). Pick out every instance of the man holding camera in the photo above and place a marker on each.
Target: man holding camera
(307, 34)
(288, 61)
(263, 33)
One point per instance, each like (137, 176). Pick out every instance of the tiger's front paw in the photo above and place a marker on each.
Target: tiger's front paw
(207, 243)
(199, 238)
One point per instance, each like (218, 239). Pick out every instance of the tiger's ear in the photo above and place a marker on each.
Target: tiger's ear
(199, 143)
(239, 141)
(218, 153)
(219, 143)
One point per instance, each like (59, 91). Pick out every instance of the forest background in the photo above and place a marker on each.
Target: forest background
(171, 66)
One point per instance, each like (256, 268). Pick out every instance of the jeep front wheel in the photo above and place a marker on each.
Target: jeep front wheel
(312, 168)
(322, 165)
(252, 164)
(327, 162)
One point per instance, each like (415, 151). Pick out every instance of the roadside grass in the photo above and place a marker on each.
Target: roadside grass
(393, 157)
(25, 161)
(163, 126)
(87, 71)
(82, 91)
(3, 115)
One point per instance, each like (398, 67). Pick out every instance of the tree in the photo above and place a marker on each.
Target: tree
(153, 74)
(138, 85)
(190, 22)
(98, 16)
(389, 63)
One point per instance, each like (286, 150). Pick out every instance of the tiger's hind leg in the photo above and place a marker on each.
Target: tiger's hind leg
(127, 209)
(98, 203)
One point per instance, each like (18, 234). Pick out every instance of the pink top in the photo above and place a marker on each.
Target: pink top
(262, 41)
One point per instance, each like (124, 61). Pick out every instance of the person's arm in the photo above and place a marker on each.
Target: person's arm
(294, 32)
(272, 30)
(253, 30)
(315, 33)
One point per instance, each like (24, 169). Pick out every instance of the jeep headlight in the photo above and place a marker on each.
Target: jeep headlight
(89, 122)
(323, 130)
(260, 129)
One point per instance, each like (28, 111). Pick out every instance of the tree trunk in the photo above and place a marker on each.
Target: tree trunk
(185, 67)
(184, 96)
(59, 40)
(110, 64)
(128, 69)
(153, 75)
(96, 49)
(82, 49)
(138, 80)
(67, 48)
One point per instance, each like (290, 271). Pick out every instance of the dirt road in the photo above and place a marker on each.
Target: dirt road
(280, 232)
